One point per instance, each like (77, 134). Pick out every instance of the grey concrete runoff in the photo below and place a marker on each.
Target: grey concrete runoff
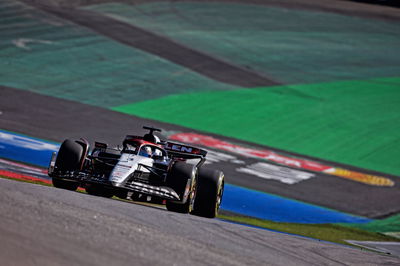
(42, 225)
(392, 248)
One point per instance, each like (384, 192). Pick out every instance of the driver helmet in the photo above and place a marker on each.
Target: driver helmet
(146, 151)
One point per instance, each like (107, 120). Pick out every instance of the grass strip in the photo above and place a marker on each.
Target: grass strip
(327, 232)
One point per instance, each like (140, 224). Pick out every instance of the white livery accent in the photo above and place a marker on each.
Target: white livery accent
(127, 165)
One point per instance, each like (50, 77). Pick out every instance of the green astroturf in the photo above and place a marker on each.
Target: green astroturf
(388, 225)
(290, 46)
(351, 122)
(64, 60)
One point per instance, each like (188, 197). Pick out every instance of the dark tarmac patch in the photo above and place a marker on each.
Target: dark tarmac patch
(147, 41)
(198, 61)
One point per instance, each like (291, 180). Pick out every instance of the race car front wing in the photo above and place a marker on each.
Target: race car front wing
(101, 179)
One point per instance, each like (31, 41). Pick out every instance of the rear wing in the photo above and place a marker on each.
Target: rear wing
(184, 151)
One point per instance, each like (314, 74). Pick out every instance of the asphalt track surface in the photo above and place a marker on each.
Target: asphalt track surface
(43, 225)
(56, 119)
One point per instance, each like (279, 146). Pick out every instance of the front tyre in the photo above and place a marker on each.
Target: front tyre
(181, 176)
(210, 189)
(68, 159)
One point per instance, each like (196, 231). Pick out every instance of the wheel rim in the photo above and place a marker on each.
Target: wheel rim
(193, 195)
(219, 195)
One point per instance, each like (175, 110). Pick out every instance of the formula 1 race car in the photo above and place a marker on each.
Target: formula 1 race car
(142, 166)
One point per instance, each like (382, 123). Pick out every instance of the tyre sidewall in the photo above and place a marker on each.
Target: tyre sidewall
(69, 156)
(210, 187)
(177, 179)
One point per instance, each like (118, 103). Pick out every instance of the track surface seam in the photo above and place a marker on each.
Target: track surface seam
(163, 47)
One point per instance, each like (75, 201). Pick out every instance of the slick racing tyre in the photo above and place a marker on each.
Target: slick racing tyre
(68, 159)
(210, 188)
(98, 190)
(177, 179)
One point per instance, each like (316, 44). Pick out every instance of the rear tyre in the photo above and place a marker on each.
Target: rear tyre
(68, 159)
(210, 189)
(100, 191)
(177, 179)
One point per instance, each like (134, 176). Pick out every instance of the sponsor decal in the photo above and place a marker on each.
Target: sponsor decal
(264, 170)
(272, 156)
(360, 177)
(274, 172)
(178, 148)
(248, 152)
(216, 157)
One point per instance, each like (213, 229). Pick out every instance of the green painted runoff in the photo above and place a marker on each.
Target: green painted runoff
(389, 225)
(350, 122)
